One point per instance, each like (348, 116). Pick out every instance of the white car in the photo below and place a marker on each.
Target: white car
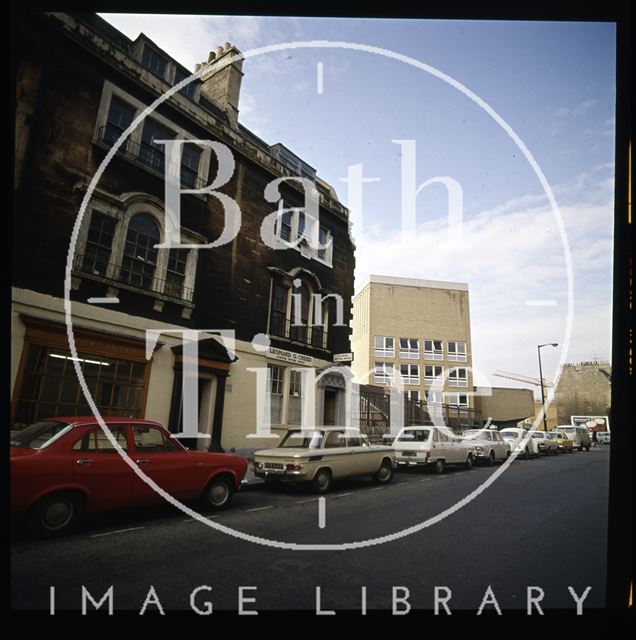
(603, 437)
(520, 442)
(547, 446)
(579, 435)
(321, 455)
(433, 447)
(488, 445)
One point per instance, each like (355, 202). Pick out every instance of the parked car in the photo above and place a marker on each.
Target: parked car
(62, 468)
(604, 437)
(564, 445)
(432, 447)
(579, 435)
(546, 445)
(488, 445)
(520, 442)
(322, 455)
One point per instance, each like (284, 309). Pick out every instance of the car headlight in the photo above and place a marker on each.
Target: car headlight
(479, 448)
(258, 465)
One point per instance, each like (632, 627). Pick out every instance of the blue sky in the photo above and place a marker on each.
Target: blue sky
(553, 83)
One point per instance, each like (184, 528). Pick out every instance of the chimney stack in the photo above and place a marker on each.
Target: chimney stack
(221, 84)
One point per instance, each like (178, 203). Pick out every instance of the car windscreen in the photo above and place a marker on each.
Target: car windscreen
(300, 440)
(510, 434)
(415, 435)
(539, 436)
(38, 435)
(567, 430)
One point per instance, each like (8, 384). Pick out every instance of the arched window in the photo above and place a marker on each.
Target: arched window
(140, 256)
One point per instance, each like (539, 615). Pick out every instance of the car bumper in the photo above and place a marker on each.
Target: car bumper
(412, 462)
(281, 474)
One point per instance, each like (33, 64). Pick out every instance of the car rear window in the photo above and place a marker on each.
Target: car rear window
(415, 435)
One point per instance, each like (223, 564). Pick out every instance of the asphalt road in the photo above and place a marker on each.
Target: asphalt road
(542, 523)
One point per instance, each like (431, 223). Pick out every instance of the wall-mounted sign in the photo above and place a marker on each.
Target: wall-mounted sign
(343, 357)
(290, 356)
(593, 423)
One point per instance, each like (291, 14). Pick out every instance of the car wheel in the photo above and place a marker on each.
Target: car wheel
(469, 462)
(218, 494)
(385, 473)
(491, 458)
(322, 481)
(439, 466)
(55, 514)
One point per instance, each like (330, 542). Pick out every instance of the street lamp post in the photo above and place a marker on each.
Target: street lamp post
(545, 419)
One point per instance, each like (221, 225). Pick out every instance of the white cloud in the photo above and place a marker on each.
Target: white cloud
(516, 254)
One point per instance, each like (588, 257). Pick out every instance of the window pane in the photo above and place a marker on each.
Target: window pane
(140, 255)
(148, 439)
(153, 61)
(151, 152)
(120, 116)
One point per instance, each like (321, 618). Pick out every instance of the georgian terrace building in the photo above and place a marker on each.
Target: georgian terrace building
(80, 84)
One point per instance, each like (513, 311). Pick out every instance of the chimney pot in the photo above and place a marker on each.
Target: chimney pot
(227, 46)
(211, 56)
(197, 66)
(219, 51)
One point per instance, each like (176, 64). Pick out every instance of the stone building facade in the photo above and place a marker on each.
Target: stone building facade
(584, 389)
(80, 85)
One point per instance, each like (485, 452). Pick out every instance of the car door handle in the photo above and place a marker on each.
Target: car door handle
(144, 461)
(83, 461)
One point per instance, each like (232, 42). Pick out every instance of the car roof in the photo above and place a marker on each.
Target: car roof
(78, 421)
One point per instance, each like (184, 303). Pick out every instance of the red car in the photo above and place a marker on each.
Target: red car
(64, 467)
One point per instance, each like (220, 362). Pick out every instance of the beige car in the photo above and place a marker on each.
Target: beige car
(321, 455)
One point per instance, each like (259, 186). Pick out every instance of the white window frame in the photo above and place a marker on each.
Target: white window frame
(302, 241)
(433, 354)
(122, 214)
(281, 395)
(384, 352)
(454, 399)
(413, 394)
(456, 356)
(410, 352)
(387, 375)
(430, 379)
(437, 397)
(410, 377)
(109, 90)
(455, 377)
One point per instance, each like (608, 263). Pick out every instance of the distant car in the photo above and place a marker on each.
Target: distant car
(579, 435)
(546, 445)
(604, 437)
(564, 445)
(62, 468)
(488, 445)
(521, 442)
(322, 455)
(432, 447)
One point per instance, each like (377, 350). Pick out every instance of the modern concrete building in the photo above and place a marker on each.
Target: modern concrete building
(504, 406)
(419, 329)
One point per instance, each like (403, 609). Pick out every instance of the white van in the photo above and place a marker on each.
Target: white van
(579, 435)
(432, 447)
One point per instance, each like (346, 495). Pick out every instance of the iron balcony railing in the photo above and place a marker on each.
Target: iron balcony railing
(148, 156)
(133, 276)
(312, 336)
